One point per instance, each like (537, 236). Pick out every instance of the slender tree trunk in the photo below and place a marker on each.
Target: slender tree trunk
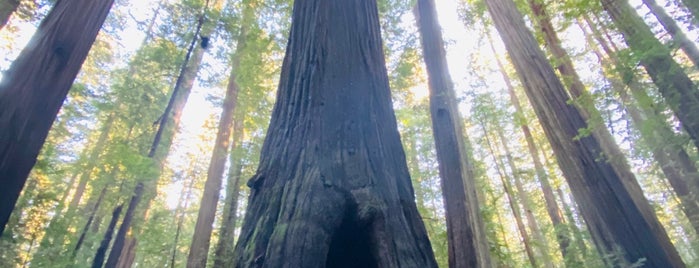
(678, 36)
(102, 250)
(182, 205)
(541, 243)
(31, 94)
(678, 90)
(223, 256)
(7, 8)
(163, 123)
(332, 188)
(467, 244)
(674, 161)
(616, 216)
(83, 234)
(552, 208)
(199, 250)
(120, 239)
(499, 166)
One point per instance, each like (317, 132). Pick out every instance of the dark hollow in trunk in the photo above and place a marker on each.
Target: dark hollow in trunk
(34, 88)
(332, 188)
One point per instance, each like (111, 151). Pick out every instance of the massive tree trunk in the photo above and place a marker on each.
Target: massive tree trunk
(332, 188)
(7, 8)
(199, 250)
(34, 88)
(619, 222)
(678, 36)
(467, 244)
(678, 90)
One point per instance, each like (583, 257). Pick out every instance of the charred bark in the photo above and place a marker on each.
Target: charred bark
(34, 88)
(332, 188)
(467, 244)
(619, 221)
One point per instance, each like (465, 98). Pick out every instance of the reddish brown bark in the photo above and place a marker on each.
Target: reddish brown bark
(613, 210)
(332, 188)
(34, 88)
(467, 244)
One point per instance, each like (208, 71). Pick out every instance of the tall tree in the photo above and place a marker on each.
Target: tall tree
(199, 250)
(332, 188)
(671, 27)
(467, 243)
(678, 90)
(31, 94)
(618, 222)
(552, 208)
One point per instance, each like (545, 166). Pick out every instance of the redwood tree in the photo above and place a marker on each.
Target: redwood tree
(332, 188)
(34, 88)
(617, 217)
(467, 245)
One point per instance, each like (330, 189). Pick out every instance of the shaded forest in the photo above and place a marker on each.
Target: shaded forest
(362, 133)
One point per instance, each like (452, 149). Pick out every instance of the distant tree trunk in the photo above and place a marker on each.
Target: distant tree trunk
(163, 129)
(674, 161)
(552, 207)
(182, 205)
(333, 188)
(516, 212)
(223, 256)
(120, 240)
(618, 221)
(199, 250)
(467, 244)
(678, 90)
(678, 36)
(102, 250)
(7, 8)
(541, 243)
(31, 94)
(83, 234)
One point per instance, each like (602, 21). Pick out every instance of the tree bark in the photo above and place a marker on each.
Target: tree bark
(7, 8)
(102, 250)
(616, 217)
(120, 239)
(552, 208)
(678, 90)
(199, 250)
(678, 36)
(184, 80)
(332, 188)
(34, 88)
(467, 244)
(672, 158)
(223, 256)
